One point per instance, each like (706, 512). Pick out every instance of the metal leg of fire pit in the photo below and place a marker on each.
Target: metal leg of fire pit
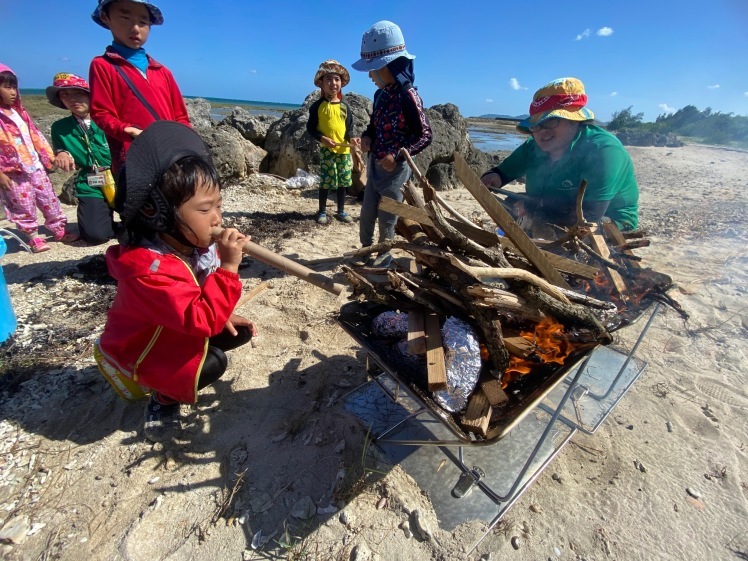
(591, 405)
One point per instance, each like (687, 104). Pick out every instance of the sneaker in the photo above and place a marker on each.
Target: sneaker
(322, 218)
(344, 217)
(161, 421)
(383, 260)
(38, 245)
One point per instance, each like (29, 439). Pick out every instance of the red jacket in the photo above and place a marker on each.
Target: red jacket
(158, 327)
(114, 106)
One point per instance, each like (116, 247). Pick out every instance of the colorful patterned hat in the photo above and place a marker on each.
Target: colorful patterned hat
(331, 67)
(563, 98)
(157, 17)
(64, 81)
(382, 43)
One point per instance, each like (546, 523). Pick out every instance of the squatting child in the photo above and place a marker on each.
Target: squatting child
(79, 143)
(172, 317)
(129, 89)
(25, 155)
(331, 124)
(397, 121)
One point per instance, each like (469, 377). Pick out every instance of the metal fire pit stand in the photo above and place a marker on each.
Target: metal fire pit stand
(501, 468)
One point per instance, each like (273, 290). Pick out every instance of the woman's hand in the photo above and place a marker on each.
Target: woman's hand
(388, 162)
(492, 180)
(64, 161)
(230, 244)
(132, 131)
(355, 141)
(236, 321)
(365, 144)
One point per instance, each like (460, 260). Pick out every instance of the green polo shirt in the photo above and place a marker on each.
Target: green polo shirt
(595, 155)
(69, 136)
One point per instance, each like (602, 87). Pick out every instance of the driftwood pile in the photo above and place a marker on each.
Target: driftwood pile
(516, 295)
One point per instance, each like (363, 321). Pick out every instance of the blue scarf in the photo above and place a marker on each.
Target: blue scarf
(136, 57)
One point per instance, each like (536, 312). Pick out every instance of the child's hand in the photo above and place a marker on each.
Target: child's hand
(328, 142)
(355, 142)
(132, 131)
(64, 161)
(388, 162)
(236, 321)
(5, 183)
(230, 245)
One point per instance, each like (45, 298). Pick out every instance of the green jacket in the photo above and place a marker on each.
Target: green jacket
(595, 155)
(67, 135)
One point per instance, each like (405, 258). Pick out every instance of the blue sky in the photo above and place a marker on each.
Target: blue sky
(485, 57)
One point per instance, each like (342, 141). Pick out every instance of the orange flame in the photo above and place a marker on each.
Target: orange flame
(551, 346)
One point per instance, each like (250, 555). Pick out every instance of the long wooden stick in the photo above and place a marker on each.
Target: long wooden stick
(505, 221)
(287, 265)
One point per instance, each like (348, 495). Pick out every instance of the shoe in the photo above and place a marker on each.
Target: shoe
(322, 218)
(66, 237)
(161, 421)
(38, 245)
(383, 260)
(344, 217)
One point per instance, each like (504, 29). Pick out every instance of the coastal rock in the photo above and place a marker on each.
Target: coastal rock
(198, 110)
(288, 145)
(234, 156)
(68, 194)
(252, 127)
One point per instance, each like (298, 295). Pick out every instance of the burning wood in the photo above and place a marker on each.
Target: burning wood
(527, 317)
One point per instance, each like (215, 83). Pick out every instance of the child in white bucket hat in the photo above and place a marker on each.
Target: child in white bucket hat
(397, 121)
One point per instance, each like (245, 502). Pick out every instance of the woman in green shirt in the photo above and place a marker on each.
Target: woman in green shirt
(79, 143)
(566, 148)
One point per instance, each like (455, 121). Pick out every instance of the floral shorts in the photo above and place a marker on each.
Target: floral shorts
(334, 170)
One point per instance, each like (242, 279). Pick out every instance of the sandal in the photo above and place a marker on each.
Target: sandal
(66, 237)
(38, 245)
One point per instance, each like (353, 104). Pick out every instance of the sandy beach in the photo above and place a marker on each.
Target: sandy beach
(271, 453)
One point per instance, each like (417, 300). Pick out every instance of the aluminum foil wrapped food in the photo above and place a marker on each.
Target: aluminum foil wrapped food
(390, 324)
(462, 357)
(461, 352)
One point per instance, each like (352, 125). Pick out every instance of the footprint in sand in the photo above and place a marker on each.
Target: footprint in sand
(722, 392)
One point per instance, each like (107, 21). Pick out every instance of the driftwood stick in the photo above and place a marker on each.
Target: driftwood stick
(565, 313)
(496, 298)
(399, 285)
(251, 294)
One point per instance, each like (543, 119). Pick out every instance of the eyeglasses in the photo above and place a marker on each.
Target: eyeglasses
(548, 124)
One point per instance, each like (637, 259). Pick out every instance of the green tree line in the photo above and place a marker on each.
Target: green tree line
(711, 127)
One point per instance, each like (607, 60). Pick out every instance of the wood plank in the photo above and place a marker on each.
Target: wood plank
(597, 243)
(493, 392)
(484, 237)
(614, 235)
(435, 364)
(416, 333)
(505, 221)
(478, 414)
(519, 346)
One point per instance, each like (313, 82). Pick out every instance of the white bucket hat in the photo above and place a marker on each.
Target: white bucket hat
(382, 43)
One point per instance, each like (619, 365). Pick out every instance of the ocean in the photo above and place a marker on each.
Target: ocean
(487, 141)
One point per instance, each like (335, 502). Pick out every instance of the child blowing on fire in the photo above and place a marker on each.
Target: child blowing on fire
(172, 318)
(331, 123)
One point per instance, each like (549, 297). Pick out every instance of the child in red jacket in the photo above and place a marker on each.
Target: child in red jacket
(172, 318)
(115, 107)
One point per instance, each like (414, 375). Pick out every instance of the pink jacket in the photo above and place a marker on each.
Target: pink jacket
(14, 156)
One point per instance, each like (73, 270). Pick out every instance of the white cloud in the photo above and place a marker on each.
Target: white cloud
(605, 32)
(515, 85)
(714, 87)
(583, 34)
(745, 94)
(666, 108)
(64, 59)
(253, 71)
(489, 100)
(613, 94)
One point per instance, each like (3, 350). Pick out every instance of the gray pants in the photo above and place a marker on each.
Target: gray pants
(381, 183)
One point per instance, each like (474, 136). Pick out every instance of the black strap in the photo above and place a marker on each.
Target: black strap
(136, 91)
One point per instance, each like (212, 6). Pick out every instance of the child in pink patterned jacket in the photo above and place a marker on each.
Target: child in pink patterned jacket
(24, 155)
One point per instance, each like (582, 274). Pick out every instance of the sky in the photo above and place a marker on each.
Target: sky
(485, 57)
